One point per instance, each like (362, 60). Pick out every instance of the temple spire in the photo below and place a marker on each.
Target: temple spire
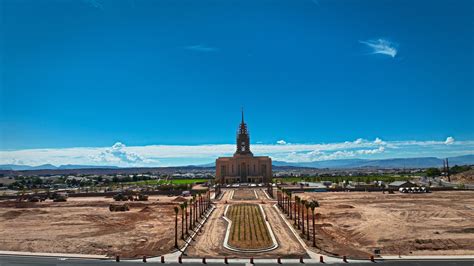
(243, 139)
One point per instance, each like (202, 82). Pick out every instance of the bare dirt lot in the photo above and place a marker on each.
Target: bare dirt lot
(354, 224)
(86, 226)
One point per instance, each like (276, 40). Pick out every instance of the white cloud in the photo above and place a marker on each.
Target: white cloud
(201, 48)
(382, 46)
(449, 140)
(372, 151)
(378, 141)
(118, 154)
(281, 142)
(164, 155)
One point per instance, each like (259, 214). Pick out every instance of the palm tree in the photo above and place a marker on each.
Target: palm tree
(176, 210)
(191, 217)
(208, 198)
(182, 220)
(200, 205)
(297, 213)
(195, 209)
(307, 218)
(313, 205)
(186, 216)
(289, 204)
(279, 197)
(282, 200)
(303, 203)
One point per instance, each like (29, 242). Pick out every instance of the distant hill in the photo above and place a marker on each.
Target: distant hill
(419, 162)
(14, 167)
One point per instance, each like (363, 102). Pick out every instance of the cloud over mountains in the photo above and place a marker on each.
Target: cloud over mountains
(165, 155)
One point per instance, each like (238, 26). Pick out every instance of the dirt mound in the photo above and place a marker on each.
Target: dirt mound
(179, 199)
(11, 214)
(464, 177)
(146, 209)
(469, 230)
(325, 225)
(344, 206)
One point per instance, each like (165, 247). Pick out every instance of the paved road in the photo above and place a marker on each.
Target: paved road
(43, 261)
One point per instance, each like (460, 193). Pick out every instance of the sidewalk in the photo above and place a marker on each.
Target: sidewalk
(59, 255)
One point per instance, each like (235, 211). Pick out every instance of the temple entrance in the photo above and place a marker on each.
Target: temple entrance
(243, 172)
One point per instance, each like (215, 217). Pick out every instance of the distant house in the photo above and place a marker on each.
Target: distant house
(398, 184)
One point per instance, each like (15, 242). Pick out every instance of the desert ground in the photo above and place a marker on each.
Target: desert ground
(86, 226)
(356, 223)
(347, 223)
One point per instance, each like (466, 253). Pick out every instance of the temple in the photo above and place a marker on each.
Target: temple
(243, 167)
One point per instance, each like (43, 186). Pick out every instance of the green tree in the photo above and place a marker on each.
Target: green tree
(432, 172)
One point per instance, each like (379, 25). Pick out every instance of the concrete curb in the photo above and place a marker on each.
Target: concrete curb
(266, 194)
(53, 255)
(227, 233)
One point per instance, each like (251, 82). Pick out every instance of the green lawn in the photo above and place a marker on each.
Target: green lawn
(168, 182)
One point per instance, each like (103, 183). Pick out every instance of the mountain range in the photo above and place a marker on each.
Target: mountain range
(418, 162)
(16, 167)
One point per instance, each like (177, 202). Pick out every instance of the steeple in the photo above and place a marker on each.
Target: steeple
(243, 138)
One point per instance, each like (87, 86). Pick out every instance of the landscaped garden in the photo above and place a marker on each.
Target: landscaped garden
(244, 194)
(248, 230)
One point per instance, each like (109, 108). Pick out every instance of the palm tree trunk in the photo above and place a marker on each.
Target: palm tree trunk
(294, 212)
(307, 223)
(302, 219)
(176, 231)
(191, 217)
(291, 209)
(314, 231)
(182, 224)
(186, 217)
(298, 216)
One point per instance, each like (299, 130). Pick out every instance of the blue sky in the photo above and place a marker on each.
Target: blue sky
(138, 74)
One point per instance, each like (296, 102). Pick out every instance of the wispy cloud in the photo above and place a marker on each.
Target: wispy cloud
(166, 155)
(94, 3)
(382, 46)
(201, 48)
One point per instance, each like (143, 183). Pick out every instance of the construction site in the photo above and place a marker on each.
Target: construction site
(358, 224)
(90, 225)
(352, 224)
